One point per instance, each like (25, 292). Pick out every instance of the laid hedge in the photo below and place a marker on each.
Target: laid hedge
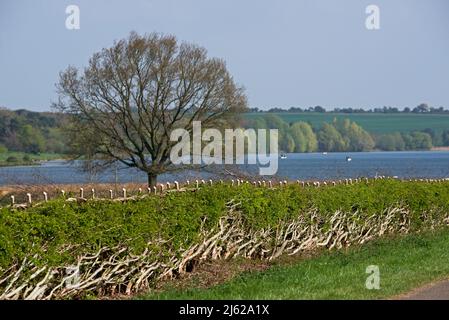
(168, 232)
(179, 216)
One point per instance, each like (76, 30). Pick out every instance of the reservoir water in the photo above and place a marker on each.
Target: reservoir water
(296, 166)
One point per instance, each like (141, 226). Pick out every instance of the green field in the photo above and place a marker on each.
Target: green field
(372, 122)
(404, 264)
(19, 156)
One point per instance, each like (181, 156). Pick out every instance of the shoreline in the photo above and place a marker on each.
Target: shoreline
(4, 164)
(439, 149)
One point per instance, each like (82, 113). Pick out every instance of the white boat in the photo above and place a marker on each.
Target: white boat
(348, 159)
(283, 156)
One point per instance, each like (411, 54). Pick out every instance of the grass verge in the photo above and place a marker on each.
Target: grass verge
(404, 262)
(12, 158)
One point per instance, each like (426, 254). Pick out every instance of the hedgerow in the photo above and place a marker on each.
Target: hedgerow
(158, 236)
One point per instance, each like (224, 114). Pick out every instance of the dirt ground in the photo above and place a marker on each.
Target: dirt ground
(54, 190)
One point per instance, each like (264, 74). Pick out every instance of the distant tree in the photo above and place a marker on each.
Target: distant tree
(422, 141)
(386, 142)
(417, 141)
(408, 141)
(422, 108)
(298, 138)
(390, 142)
(276, 110)
(304, 137)
(124, 105)
(289, 144)
(275, 122)
(437, 139)
(295, 109)
(393, 110)
(12, 159)
(257, 123)
(56, 141)
(310, 136)
(329, 139)
(346, 110)
(356, 138)
(445, 137)
(319, 109)
(398, 141)
(3, 149)
(32, 139)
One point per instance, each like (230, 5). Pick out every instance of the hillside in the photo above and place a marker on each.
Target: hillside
(376, 123)
(24, 133)
(31, 132)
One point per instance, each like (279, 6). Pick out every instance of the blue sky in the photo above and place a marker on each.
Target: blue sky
(285, 53)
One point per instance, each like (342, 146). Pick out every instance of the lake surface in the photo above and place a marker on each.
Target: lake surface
(297, 166)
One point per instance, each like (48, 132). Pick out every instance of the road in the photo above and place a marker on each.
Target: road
(434, 291)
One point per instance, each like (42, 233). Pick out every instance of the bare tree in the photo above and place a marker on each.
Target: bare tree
(125, 104)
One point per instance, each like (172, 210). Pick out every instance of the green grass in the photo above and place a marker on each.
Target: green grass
(34, 157)
(374, 123)
(404, 263)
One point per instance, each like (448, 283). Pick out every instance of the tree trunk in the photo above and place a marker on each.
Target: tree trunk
(152, 180)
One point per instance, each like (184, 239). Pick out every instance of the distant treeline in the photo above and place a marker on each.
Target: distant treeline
(422, 108)
(41, 132)
(31, 132)
(344, 135)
